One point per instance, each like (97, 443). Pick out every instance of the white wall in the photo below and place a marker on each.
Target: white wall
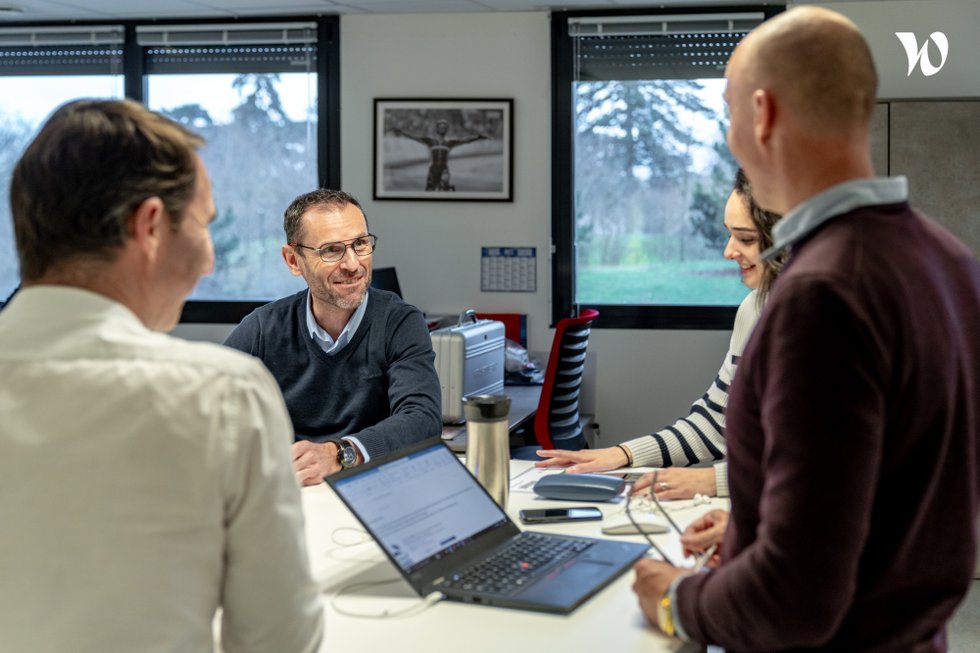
(880, 20)
(644, 379)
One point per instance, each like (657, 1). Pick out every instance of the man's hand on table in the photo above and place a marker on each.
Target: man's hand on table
(314, 460)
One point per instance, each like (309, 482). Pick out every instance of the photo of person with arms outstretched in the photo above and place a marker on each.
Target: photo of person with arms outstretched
(439, 146)
(443, 149)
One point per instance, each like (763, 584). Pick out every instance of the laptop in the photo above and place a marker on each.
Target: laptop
(445, 534)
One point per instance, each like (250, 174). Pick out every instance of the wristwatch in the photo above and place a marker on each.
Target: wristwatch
(346, 454)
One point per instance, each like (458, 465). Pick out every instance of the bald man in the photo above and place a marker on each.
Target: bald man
(852, 424)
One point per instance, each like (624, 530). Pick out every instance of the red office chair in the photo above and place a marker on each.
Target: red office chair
(557, 423)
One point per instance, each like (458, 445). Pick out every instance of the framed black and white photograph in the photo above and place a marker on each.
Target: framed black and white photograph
(443, 150)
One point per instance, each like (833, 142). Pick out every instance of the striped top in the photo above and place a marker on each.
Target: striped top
(699, 437)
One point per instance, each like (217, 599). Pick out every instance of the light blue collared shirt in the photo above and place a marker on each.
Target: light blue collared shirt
(323, 339)
(331, 346)
(827, 205)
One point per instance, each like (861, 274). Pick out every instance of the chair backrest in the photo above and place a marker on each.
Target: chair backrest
(386, 279)
(557, 424)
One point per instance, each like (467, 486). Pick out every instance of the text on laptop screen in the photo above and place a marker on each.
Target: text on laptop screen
(422, 506)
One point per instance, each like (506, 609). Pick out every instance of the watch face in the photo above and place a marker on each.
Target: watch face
(347, 455)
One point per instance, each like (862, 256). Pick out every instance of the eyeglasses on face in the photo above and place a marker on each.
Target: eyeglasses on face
(330, 252)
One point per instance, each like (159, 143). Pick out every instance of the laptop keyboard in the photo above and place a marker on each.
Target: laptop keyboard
(516, 564)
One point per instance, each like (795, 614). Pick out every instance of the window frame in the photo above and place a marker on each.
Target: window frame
(611, 316)
(328, 114)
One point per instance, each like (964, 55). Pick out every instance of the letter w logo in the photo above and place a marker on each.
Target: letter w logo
(921, 56)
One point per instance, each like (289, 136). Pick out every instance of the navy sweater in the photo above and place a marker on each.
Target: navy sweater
(382, 387)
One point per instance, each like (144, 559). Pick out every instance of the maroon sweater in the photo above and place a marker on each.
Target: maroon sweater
(852, 446)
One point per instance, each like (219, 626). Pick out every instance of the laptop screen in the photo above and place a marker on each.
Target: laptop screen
(422, 506)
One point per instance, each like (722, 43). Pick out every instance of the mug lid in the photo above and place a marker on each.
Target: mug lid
(482, 408)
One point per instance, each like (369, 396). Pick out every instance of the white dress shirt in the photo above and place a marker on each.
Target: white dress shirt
(145, 481)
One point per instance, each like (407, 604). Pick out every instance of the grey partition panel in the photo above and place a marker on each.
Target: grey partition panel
(937, 146)
(879, 139)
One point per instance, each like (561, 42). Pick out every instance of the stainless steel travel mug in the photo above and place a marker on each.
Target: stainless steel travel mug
(488, 443)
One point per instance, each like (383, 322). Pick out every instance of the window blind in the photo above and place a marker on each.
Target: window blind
(694, 46)
(231, 59)
(64, 50)
(234, 48)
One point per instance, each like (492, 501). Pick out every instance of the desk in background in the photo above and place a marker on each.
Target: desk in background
(611, 620)
(523, 406)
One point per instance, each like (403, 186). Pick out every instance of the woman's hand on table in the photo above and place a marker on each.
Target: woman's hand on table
(679, 482)
(586, 460)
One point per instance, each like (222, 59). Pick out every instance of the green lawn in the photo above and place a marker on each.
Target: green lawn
(695, 282)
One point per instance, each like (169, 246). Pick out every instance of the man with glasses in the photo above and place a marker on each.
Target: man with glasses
(355, 363)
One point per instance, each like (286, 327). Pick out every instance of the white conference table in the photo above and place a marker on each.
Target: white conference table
(610, 620)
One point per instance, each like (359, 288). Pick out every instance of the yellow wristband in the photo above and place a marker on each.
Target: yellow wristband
(665, 617)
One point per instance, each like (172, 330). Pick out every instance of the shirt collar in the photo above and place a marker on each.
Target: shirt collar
(81, 303)
(322, 338)
(836, 200)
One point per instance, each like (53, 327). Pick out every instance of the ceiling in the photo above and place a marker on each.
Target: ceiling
(66, 10)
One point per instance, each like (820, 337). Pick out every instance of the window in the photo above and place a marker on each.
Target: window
(264, 96)
(256, 106)
(34, 80)
(642, 171)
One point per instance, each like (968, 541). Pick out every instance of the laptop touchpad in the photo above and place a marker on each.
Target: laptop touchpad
(569, 581)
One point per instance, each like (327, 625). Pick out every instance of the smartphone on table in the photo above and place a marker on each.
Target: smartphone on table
(552, 515)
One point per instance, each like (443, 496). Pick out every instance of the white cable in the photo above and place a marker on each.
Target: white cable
(422, 604)
(362, 536)
(359, 536)
(643, 503)
(702, 500)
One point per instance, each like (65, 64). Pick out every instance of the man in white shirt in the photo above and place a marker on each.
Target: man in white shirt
(145, 481)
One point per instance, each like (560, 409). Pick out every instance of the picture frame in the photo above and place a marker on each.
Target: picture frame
(444, 149)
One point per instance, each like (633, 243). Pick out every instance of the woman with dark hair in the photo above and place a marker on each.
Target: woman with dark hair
(698, 437)
(762, 221)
